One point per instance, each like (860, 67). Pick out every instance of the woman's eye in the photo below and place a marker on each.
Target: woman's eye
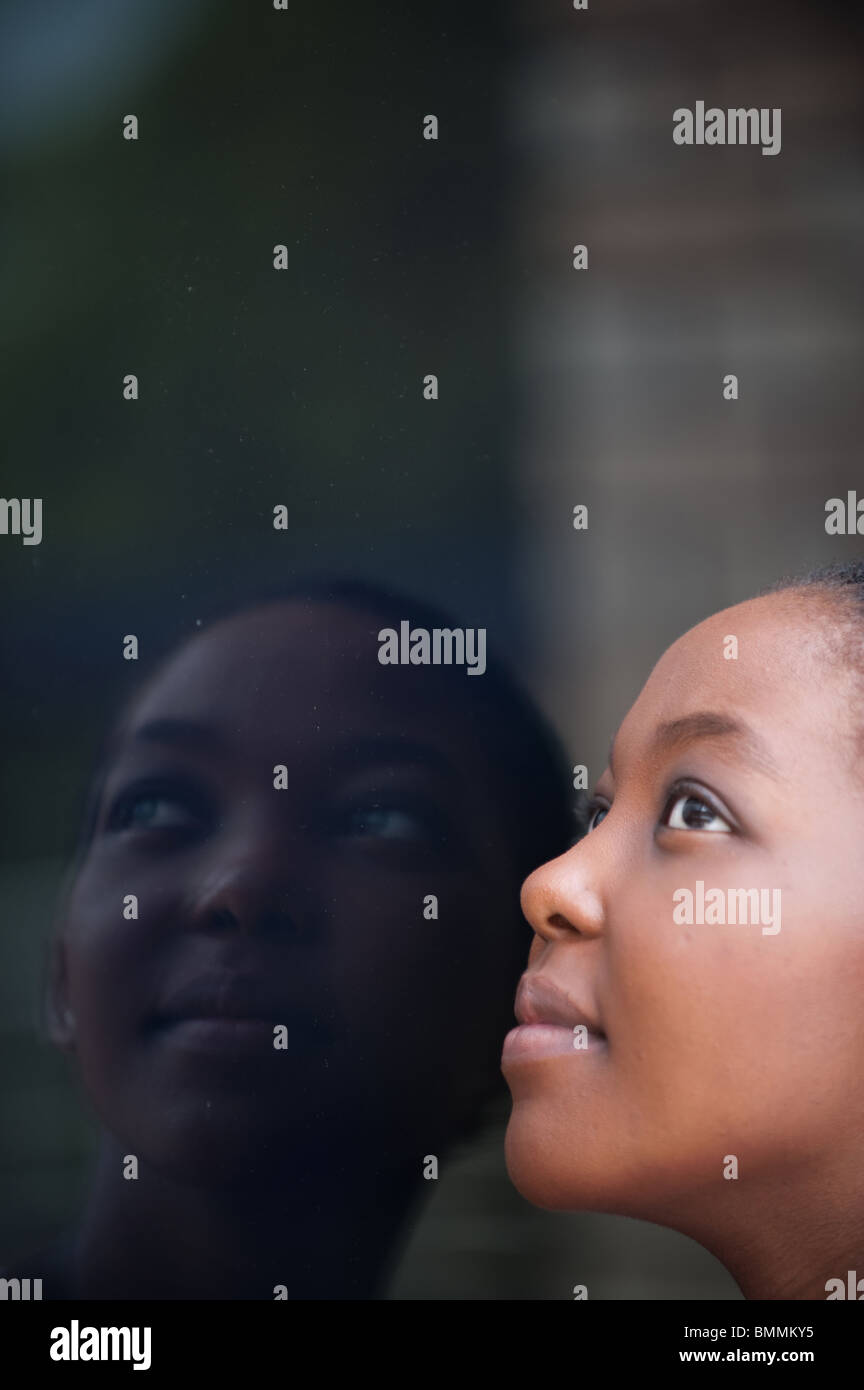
(689, 812)
(595, 815)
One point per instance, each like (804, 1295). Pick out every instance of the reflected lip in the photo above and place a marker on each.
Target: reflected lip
(538, 1000)
(222, 997)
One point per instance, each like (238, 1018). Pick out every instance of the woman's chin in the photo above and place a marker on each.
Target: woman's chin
(541, 1173)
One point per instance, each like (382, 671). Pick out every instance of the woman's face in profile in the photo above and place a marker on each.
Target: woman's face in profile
(301, 906)
(717, 1039)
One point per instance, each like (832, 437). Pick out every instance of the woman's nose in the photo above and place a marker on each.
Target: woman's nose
(562, 897)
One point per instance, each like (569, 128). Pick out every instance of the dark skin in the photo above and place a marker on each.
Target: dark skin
(717, 1039)
(261, 1167)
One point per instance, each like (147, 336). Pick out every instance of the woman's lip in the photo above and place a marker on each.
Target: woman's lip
(532, 1041)
(539, 1000)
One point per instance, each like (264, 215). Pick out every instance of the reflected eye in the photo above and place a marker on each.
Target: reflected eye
(165, 809)
(155, 813)
(386, 823)
(688, 812)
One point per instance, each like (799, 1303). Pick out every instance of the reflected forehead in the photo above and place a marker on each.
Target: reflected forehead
(296, 653)
(191, 736)
(295, 675)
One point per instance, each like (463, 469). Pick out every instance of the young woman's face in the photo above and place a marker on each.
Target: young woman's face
(301, 906)
(718, 1040)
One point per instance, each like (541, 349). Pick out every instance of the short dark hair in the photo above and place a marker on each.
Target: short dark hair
(844, 577)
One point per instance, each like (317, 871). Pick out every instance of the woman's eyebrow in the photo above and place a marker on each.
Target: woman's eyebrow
(709, 724)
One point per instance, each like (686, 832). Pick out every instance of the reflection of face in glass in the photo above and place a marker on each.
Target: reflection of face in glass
(298, 906)
(707, 1042)
(301, 906)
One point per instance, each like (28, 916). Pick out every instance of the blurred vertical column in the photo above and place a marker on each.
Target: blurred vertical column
(702, 262)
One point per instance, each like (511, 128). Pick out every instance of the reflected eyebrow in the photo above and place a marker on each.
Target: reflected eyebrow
(183, 732)
(708, 724)
(365, 752)
(359, 752)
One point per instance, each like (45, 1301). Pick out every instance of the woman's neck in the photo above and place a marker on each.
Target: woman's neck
(785, 1238)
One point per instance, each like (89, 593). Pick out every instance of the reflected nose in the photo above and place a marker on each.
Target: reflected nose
(562, 898)
(250, 887)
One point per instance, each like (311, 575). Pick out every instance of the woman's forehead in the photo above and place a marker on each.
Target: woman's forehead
(768, 640)
(775, 662)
